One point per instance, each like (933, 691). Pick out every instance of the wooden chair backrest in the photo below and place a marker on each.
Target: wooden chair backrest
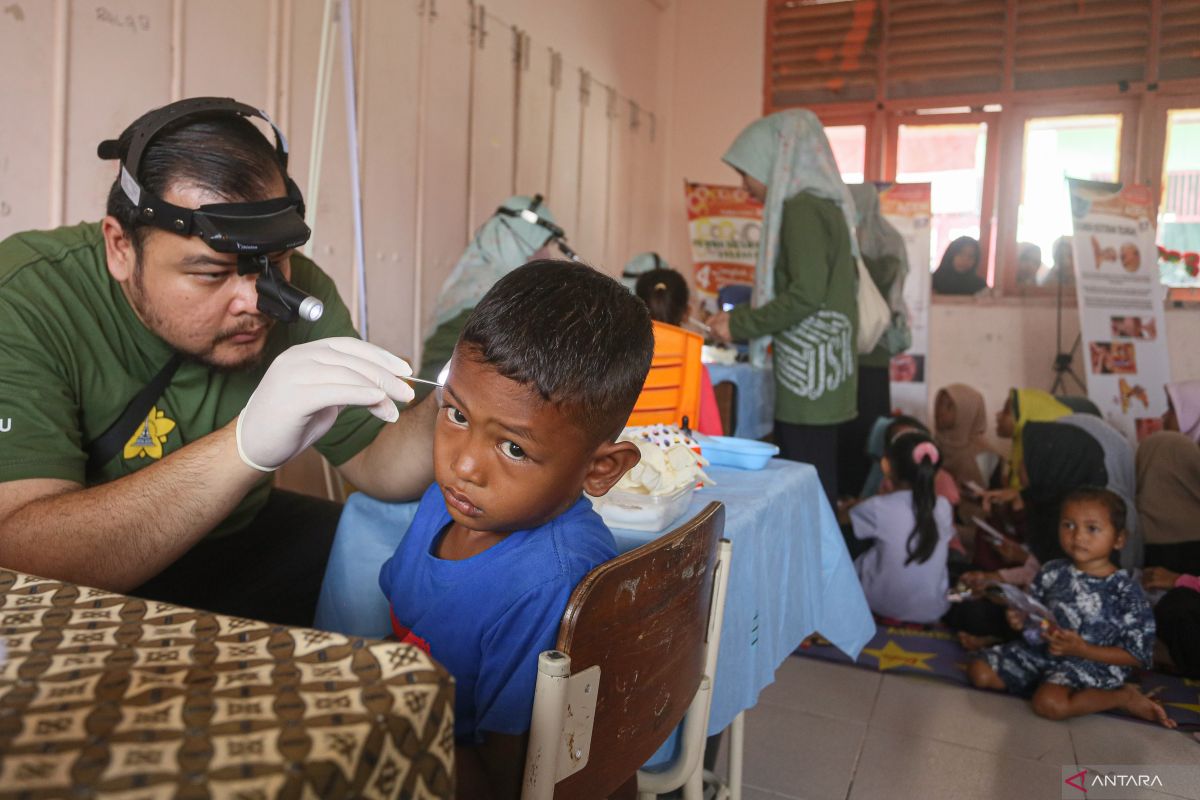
(643, 618)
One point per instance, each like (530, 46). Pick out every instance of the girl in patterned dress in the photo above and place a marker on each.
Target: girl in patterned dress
(1103, 627)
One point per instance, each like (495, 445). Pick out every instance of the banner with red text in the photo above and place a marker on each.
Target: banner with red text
(724, 224)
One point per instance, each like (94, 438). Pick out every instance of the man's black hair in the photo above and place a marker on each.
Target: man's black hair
(224, 154)
(1105, 497)
(574, 335)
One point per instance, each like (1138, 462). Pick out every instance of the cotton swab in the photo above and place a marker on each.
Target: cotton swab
(411, 379)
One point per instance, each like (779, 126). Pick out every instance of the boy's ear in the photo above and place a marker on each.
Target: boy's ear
(1119, 542)
(610, 461)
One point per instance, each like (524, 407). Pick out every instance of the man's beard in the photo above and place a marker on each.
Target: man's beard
(163, 330)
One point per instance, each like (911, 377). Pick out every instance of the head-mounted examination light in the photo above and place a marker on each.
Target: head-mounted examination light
(250, 230)
(531, 216)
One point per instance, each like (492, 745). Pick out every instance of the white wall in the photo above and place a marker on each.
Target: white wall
(995, 345)
(447, 129)
(715, 72)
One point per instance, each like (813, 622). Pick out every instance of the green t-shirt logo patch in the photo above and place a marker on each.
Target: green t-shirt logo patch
(151, 435)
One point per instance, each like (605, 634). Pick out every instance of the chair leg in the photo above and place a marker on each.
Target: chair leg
(693, 787)
(737, 743)
(627, 790)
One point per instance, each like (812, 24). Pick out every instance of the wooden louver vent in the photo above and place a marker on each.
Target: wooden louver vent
(942, 47)
(1179, 49)
(822, 51)
(1080, 42)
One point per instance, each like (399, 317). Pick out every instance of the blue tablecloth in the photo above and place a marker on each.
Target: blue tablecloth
(790, 576)
(754, 398)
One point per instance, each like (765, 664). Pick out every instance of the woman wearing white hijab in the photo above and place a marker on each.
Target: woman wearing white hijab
(805, 285)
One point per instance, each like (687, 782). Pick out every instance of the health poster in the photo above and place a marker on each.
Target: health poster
(1122, 322)
(724, 223)
(908, 207)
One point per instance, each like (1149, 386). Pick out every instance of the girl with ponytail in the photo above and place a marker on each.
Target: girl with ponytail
(904, 574)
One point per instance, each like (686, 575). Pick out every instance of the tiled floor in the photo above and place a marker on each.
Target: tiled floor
(826, 731)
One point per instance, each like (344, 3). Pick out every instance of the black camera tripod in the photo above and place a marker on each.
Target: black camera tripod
(1063, 361)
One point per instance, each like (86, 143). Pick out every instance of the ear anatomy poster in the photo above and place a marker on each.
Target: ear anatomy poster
(1122, 322)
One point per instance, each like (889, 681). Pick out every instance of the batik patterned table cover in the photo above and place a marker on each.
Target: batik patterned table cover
(108, 695)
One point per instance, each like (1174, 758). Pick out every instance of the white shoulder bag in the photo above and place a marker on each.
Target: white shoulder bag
(874, 315)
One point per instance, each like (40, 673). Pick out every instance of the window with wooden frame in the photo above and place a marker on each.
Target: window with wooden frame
(1100, 78)
(956, 155)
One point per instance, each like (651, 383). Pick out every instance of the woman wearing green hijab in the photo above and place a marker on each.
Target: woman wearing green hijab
(503, 243)
(805, 302)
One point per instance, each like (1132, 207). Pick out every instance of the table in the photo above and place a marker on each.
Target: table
(108, 695)
(790, 575)
(754, 397)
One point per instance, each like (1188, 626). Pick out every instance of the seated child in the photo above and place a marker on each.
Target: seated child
(665, 293)
(904, 575)
(885, 430)
(1104, 627)
(541, 382)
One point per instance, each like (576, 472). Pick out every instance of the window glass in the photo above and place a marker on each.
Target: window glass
(849, 143)
(1179, 208)
(951, 159)
(1084, 146)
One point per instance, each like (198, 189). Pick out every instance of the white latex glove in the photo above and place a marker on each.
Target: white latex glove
(305, 388)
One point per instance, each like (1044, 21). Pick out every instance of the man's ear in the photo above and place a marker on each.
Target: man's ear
(610, 461)
(118, 248)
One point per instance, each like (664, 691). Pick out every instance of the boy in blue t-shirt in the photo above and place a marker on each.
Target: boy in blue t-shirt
(542, 381)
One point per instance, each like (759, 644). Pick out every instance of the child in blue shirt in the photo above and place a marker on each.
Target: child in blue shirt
(542, 381)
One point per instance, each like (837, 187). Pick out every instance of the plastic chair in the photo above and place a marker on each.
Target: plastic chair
(633, 650)
(672, 389)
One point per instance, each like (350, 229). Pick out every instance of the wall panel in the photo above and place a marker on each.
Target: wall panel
(563, 197)
(444, 194)
(329, 213)
(119, 67)
(620, 190)
(533, 123)
(389, 178)
(221, 59)
(27, 64)
(493, 109)
(593, 178)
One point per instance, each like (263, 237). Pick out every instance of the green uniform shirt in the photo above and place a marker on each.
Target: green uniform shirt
(813, 318)
(73, 354)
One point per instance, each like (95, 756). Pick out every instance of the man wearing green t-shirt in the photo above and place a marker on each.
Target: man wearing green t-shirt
(185, 511)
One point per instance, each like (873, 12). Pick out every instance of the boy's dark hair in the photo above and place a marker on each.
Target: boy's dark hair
(1106, 497)
(665, 293)
(919, 474)
(222, 153)
(575, 335)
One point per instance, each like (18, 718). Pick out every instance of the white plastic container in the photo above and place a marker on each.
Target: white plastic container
(642, 512)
